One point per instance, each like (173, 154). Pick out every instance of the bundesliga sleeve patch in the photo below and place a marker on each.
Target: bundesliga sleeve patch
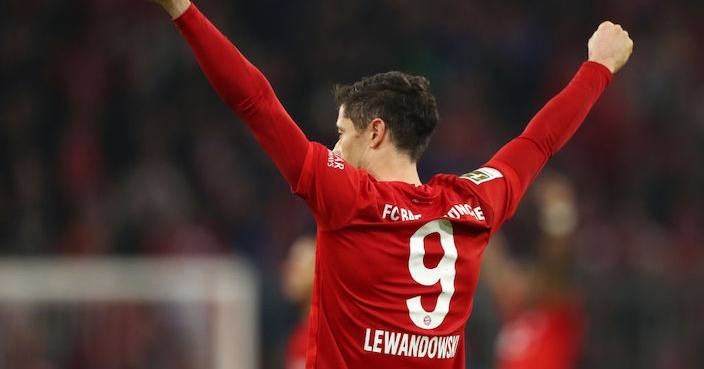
(482, 175)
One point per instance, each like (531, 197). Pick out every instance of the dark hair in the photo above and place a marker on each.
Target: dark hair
(402, 101)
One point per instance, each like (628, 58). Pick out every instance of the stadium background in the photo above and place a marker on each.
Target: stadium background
(113, 143)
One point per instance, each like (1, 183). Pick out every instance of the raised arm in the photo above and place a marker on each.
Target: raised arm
(521, 159)
(242, 87)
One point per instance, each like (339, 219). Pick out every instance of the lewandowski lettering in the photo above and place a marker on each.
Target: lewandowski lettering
(411, 345)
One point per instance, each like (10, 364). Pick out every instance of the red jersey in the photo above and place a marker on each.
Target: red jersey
(397, 264)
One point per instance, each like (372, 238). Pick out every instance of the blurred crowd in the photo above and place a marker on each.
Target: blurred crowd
(112, 141)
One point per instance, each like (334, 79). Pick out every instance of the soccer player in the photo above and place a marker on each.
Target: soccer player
(397, 260)
(542, 316)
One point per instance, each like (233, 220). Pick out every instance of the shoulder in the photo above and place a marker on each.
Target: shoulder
(485, 187)
(333, 188)
(323, 166)
(472, 179)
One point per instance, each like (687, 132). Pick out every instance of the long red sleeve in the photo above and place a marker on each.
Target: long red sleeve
(246, 91)
(523, 157)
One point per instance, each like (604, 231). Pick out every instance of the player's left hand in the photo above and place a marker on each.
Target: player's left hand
(610, 46)
(174, 7)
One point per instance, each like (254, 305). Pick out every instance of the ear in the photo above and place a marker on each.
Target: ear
(377, 131)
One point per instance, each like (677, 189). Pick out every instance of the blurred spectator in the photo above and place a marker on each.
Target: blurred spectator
(542, 316)
(297, 284)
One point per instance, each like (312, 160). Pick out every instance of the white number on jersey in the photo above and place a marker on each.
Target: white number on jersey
(443, 272)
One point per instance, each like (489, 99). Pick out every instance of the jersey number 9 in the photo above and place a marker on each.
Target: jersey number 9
(444, 272)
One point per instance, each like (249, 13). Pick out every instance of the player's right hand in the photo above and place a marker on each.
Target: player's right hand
(610, 46)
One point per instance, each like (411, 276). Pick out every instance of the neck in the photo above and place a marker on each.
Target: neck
(395, 168)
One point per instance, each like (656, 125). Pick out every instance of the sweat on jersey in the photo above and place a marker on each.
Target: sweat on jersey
(397, 264)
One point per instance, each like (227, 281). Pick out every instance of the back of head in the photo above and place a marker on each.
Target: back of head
(404, 102)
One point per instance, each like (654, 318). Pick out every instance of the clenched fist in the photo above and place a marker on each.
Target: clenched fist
(610, 45)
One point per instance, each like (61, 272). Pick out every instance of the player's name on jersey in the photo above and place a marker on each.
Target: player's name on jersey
(396, 213)
(411, 345)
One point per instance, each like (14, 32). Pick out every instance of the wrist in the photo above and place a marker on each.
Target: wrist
(176, 8)
(607, 63)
